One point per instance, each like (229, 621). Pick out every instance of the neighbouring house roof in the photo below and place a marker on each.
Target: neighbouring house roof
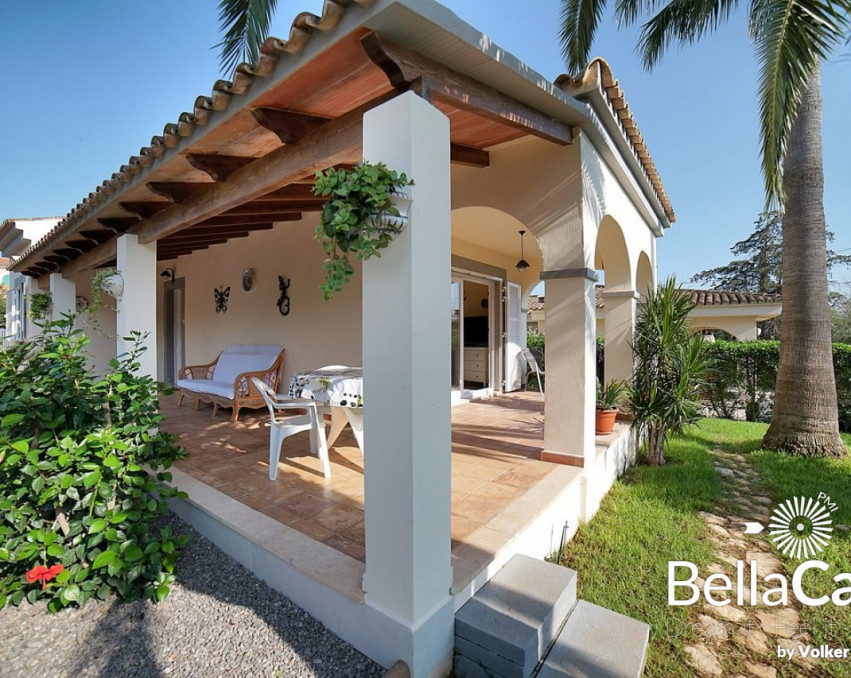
(598, 76)
(698, 298)
(4, 262)
(224, 124)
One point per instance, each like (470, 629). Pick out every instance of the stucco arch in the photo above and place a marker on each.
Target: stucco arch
(645, 275)
(611, 254)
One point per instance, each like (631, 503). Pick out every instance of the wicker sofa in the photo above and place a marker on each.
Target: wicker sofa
(226, 382)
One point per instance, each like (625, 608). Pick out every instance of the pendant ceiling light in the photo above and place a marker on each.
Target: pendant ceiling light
(521, 265)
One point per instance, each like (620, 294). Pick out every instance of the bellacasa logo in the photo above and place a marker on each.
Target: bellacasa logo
(801, 527)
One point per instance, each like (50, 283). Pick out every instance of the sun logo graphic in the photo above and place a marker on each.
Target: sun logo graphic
(801, 526)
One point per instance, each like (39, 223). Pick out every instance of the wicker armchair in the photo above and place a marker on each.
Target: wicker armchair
(226, 382)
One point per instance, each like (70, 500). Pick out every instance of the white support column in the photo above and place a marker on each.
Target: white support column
(64, 293)
(571, 367)
(137, 307)
(620, 324)
(406, 360)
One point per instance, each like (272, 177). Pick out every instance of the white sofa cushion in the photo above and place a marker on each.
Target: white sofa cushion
(239, 358)
(222, 389)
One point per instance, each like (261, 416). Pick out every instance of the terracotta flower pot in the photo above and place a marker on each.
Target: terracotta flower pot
(605, 421)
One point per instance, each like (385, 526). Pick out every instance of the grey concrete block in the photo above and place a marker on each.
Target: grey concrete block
(519, 611)
(467, 668)
(479, 655)
(598, 643)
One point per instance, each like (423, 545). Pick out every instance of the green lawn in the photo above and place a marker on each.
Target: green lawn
(650, 517)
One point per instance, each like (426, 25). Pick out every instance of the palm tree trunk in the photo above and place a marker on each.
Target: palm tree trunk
(805, 419)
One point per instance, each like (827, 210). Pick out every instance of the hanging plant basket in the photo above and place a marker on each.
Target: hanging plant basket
(366, 209)
(393, 219)
(113, 285)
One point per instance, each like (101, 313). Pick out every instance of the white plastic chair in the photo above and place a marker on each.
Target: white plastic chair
(296, 423)
(532, 366)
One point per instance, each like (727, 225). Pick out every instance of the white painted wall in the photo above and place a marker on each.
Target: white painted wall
(315, 333)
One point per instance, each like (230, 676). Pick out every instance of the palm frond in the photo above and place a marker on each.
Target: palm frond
(681, 21)
(792, 37)
(245, 24)
(579, 21)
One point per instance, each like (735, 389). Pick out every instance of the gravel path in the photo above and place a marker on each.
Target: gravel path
(220, 620)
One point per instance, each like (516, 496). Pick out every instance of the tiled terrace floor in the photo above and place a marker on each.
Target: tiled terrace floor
(495, 447)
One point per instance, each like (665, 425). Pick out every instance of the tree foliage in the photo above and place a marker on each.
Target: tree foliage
(82, 471)
(758, 266)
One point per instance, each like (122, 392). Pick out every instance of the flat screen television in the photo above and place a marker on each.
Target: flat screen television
(476, 331)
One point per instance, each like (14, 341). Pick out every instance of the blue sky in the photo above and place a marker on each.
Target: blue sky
(87, 84)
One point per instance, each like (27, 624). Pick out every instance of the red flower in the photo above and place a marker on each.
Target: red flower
(43, 574)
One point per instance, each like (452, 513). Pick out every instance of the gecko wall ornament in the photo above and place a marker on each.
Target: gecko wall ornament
(284, 300)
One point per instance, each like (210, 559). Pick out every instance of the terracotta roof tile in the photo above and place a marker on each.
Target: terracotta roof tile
(577, 86)
(303, 26)
(698, 298)
(4, 262)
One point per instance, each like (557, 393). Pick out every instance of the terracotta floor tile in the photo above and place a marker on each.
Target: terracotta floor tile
(462, 526)
(517, 478)
(355, 533)
(306, 504)
(279, 514)
(311, 529)
(479, 509)
(356, 551)
(338, 517)
(498, 492)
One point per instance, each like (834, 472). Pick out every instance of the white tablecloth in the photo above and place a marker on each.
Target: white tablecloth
(336, 387)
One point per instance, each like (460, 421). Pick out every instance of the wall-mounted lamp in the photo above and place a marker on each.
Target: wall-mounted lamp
(167, 274)
(521, 265)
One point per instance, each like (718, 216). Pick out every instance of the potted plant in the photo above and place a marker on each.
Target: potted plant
(40, 305)
(609, 397)
(105, 281)
(365, 210)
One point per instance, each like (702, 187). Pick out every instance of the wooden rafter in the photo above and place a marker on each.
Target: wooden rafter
(118, 224)
(406, 69)
(217, 167)
(175, 191)
(276, 207)
(290, 126)
(248, 219)
(471, 157)
(145, 210)
(208, 230)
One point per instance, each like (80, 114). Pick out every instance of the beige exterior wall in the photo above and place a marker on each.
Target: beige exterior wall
(315, 333)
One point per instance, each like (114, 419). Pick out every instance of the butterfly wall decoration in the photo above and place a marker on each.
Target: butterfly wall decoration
(221, 296)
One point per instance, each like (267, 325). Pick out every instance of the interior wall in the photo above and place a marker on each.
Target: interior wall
(315, 333)
(474, 295)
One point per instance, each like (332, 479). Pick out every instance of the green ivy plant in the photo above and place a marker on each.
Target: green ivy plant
(40, 304)
(97, 285)
(348, 224)
(83, 467)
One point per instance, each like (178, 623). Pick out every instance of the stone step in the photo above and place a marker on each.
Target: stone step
(597, 643)
(505, 629)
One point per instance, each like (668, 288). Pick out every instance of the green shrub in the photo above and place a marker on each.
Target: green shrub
(82, 462)
(742, 376)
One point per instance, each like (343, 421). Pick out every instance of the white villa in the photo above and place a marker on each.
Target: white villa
(738, 314)
(445, 494)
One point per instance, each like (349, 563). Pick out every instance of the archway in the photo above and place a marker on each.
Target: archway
(611, 256)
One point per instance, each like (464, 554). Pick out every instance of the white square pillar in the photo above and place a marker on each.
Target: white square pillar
(64, 295)
(571, 367)
(619, 327)
(137, 307)
(406, 360)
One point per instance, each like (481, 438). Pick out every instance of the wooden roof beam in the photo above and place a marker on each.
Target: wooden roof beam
(336, 141)
(406, 69)
(83, 245)
(290, 126)
(471, 157)
(217, 167)
(145, 210)
(276, 207)
(118, 224)
(175, 191)
(97, 236)
(250, 220)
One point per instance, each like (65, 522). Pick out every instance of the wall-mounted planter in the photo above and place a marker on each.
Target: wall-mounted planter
(113, 285)
(393, 219)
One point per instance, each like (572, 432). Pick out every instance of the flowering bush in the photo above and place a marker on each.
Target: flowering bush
(82, 466)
